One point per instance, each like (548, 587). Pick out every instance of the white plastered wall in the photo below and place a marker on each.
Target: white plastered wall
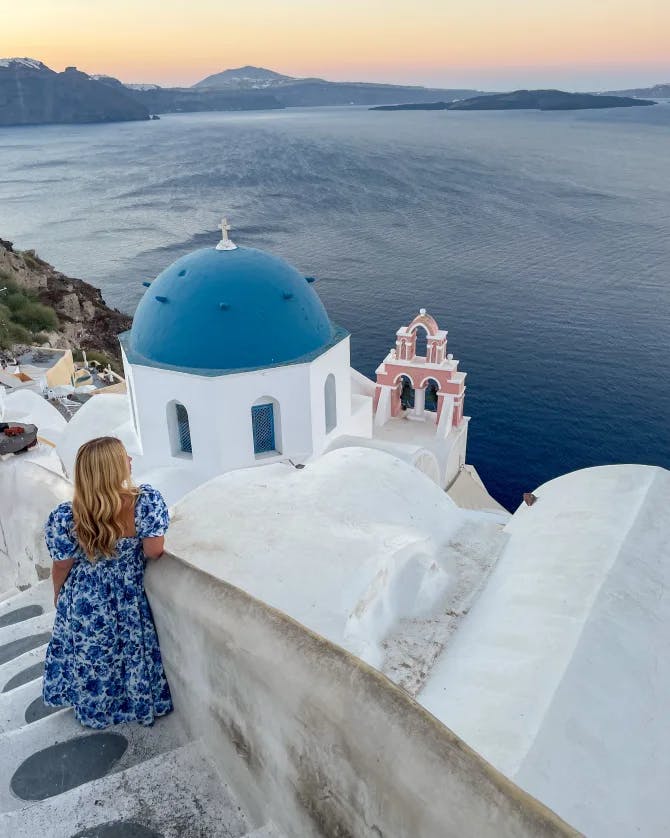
(219, 412)
(336, 361)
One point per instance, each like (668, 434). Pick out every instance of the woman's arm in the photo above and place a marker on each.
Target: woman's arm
(59, 573)
(153, 547)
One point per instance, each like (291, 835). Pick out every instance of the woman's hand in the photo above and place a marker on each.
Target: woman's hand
(153, 547)
(59, 573)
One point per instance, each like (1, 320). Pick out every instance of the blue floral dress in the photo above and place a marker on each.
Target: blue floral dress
(103, 658)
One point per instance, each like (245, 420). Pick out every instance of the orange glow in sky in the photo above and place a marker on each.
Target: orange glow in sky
(488, 43)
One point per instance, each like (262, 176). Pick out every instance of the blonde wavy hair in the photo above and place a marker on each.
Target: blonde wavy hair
(101, 484)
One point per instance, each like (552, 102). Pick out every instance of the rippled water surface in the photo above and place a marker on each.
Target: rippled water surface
(540, 241)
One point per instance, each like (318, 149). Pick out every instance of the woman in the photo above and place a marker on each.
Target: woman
(103, 658)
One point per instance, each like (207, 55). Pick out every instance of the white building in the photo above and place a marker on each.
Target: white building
(233, 362)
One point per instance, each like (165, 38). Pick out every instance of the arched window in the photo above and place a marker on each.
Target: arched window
(330, 402)
(406, 392)
(421, 341)
(432, 388)
(265, 426)
(180, 429)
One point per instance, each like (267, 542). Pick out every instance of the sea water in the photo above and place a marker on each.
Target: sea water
(541, 241)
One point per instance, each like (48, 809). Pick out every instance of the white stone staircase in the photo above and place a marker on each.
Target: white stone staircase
(61, 780)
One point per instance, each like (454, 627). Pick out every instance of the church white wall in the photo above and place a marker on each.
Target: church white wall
(132, 402)
(219, 412)
(335, 361)
(457, 443)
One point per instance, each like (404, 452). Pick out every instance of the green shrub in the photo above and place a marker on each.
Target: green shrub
(11, 332)
(35, 316)
(24, 317)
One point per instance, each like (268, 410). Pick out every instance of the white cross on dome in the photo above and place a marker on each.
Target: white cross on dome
(225, 243)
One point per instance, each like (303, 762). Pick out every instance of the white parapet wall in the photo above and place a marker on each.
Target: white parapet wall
(313, 738)
(30, 487)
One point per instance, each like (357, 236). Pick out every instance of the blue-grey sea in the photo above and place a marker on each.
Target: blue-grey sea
(541, 241)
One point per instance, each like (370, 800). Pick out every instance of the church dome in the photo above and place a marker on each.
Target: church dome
(228, 309)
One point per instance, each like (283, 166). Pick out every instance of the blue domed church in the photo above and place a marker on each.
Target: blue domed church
(232, 361)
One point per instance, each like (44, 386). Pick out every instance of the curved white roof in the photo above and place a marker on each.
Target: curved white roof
(560, 675)
(103, 415)
(349, 545)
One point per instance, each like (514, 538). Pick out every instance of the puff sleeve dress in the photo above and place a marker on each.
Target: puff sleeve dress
(103, 658)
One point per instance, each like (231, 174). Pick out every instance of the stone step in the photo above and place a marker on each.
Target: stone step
(8, 594)
(51, 753)
(61, 780)
(176, 794)
(26, 640)
(19, 614)
(39, 594)
(23, 705)
(20, 670)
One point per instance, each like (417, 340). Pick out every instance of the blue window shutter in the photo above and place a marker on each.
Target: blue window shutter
(183, 429)
(263, 423)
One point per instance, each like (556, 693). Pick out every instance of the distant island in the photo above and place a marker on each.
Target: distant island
(657, 91)
(32, 93)
(255, 88)
(542, 100)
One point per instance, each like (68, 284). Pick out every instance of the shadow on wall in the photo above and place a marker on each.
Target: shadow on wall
(312, 738)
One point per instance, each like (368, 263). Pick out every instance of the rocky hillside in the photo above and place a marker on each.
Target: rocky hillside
(33, 94)
(84, 321)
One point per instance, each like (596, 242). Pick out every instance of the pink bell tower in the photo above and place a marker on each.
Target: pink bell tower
(422, 388)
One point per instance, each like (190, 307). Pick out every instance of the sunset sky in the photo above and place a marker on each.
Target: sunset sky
(492, 44)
